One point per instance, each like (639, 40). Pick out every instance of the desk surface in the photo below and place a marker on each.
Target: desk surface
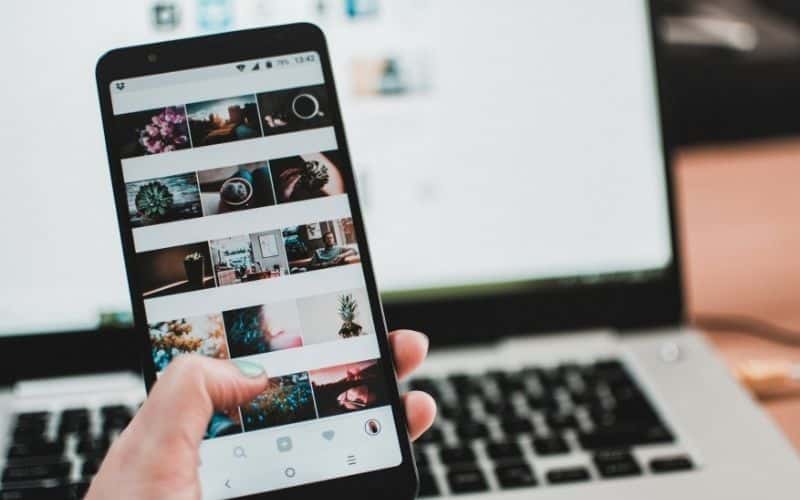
(738, 209)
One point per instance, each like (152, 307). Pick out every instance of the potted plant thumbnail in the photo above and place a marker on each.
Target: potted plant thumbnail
(154, 200)
(348, 309)
(194, 264)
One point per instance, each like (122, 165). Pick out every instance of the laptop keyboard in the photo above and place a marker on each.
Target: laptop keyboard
(540, 426)
(499, 430)
(55, 455)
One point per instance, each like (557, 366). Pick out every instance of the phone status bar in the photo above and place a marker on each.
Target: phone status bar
(276, 62)
(295, 62)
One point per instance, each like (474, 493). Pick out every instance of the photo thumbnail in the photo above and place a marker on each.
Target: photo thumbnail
(321, 245)
(308, 176)
(250, 257)
(167, 271)
(350, 387)
(286, 400)
(263, 328)
(223, 120)
(241, 187)
(151, 132)
(224, 423)
(166, 199)
(335, 316)
(295, 109)
(204, 335)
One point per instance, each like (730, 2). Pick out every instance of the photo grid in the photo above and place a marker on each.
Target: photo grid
(265, 328)
(217, 121)
(234, 188)
(249, 257)
(257, 328)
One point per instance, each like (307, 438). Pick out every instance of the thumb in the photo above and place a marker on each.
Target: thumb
(187, 393)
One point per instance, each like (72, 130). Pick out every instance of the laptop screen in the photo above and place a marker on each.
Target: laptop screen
(495, 147)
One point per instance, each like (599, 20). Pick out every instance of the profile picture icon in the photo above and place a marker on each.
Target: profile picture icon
(372, 427)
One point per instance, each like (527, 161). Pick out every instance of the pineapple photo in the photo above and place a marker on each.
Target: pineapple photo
(348, 310)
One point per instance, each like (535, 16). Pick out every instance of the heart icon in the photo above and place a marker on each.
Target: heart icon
(328, 435)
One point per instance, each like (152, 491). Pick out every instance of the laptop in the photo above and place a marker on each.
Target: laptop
(515, 164)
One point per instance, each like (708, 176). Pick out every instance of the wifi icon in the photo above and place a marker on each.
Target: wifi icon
(240, 67)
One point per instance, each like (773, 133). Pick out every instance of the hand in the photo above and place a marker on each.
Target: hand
(157, 455)
(288, 180)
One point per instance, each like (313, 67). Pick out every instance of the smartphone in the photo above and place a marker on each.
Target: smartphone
(243, 238)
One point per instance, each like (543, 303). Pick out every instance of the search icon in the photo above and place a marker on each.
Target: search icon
(238, 452)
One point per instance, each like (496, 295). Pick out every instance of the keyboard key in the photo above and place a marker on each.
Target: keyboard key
(91, 465)
(466, 385)
(624, 436)
(503, 450)
(567, 475)
(515, 476)
(432, 435)
(420, 458)
(59, 470)
(671, 464)
(426, 385)
(551, 445)
(37, 449)
(457, 454)
(468, 480)
(471, 429)
(88, 445)
(75, 414)
(500, 407)
(561, 421)
(427, 484)
(31, 416)
(41, 493)
(116, 410)
(507, 382)
(516, 425)
(452, 411)
(74, 421)
(115, 423)
(78, 490)
(542, 402)
(616, 463)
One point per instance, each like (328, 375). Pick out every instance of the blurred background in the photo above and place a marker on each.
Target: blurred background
(732, 72)
(732, 67)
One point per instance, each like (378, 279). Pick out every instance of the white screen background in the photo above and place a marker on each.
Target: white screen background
(533, 153)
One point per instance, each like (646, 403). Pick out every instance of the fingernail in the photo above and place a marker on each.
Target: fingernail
(248, 369)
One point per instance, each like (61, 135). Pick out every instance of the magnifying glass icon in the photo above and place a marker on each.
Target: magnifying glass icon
(238, 452)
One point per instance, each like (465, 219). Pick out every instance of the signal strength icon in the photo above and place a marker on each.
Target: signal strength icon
(256, 67)
(241, 67)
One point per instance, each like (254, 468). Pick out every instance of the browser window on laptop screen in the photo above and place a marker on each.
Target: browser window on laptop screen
(483, 162)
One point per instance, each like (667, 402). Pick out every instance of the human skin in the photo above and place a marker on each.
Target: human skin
(158, 454)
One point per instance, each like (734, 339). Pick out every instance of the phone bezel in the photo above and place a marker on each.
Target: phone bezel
(399, 482)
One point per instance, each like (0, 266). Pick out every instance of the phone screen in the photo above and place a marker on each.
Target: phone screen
(245, 248)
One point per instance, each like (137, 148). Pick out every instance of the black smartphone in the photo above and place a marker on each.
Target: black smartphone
(243, 238)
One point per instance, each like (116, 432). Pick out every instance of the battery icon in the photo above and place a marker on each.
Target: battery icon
(268, 64)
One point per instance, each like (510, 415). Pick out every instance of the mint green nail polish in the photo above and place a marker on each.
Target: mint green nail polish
(248, 369)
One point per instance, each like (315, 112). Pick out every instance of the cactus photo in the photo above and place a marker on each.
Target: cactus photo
(155, 201)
